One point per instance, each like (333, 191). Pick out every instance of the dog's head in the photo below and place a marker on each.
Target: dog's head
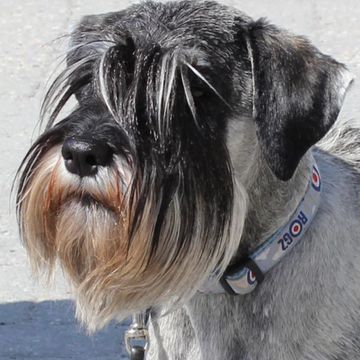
(134, 192)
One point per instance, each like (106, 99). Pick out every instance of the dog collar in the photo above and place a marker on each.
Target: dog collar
(243, 277)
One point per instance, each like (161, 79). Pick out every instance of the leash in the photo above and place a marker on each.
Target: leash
(137, 336)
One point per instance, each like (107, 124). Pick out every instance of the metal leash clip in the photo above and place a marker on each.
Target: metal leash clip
(137, 337)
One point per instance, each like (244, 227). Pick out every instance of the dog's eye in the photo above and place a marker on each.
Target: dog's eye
(198, 87)
(198, 92)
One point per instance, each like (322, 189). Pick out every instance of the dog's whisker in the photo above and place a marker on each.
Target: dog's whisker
(188, 94)
(170, 68)
(61, 90)
(103, 85)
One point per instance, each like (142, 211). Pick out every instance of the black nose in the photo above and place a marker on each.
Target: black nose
(83, 157)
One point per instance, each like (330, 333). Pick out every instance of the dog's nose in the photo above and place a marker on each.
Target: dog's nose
(83, 157)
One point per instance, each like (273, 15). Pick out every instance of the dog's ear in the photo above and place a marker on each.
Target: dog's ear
(298, 93)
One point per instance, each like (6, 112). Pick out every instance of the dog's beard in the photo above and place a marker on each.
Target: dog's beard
(114, 266)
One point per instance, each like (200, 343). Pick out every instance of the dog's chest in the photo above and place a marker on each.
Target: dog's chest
(255, 333)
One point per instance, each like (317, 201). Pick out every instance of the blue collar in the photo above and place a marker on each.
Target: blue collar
(243, 277)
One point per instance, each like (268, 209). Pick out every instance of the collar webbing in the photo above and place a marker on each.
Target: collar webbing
(244, 276)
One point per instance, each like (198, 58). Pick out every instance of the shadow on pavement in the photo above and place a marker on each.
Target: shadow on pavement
(48, 330)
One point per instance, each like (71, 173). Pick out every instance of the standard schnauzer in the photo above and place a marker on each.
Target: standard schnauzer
(186, 176)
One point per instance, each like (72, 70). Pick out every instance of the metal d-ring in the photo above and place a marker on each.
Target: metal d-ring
(137, 337)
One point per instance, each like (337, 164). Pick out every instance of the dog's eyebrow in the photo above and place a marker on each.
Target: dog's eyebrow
(200, 63)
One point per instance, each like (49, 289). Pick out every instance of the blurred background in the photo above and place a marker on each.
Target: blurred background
(37, 322)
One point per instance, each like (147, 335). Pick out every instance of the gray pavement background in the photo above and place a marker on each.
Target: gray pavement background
(37, 322)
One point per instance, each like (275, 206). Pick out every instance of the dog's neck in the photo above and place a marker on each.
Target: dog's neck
(271, 201)
(272, 206)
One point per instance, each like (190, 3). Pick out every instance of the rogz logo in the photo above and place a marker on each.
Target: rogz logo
(295, 229)
(315, 179)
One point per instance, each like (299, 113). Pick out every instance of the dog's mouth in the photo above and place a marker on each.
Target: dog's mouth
(88, 201)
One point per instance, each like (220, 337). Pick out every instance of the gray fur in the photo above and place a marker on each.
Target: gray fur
(216, 117)
(308, 306)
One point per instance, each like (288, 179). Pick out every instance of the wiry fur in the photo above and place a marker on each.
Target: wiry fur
(211, 118)
(343, 142)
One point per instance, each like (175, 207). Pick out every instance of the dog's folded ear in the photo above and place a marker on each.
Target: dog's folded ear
(298, 93)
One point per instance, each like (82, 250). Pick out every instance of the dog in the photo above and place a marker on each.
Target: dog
(187, 181)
